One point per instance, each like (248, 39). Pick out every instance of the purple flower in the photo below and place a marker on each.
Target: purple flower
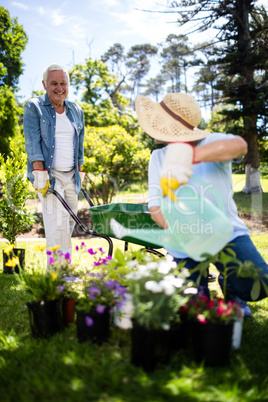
(67, 256)
(61, 288)
(83, 244)
(77, 248)
(89, 321)
(110, 283)
(91, 252)
(70, 279)
(100, 308)
(49, 252)
(51, 261)
(101, 250)
(94, 290)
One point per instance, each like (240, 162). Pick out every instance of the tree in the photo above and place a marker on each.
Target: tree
(174, 55)
(154, 86)
(242, 58)
(113, 160)
(9, 117)
(138, 62)
(13, 40)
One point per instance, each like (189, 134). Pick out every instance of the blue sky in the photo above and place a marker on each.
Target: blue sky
(69, 31)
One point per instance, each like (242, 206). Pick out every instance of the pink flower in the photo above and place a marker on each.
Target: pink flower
(220, 310)
(201, 318)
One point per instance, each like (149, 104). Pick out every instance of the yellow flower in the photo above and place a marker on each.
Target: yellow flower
(13, 262)
(39, 248)
(8, 249)
(54, 248)
(54, 275)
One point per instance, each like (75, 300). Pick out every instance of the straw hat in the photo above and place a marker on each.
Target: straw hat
(174, 119)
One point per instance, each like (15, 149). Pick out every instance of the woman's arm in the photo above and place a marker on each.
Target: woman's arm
(221, 151)
(158, 217)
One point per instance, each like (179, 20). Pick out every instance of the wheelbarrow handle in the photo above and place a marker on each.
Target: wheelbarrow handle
(79, 222)
(87, 197)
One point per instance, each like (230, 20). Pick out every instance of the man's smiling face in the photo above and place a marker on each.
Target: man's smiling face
(57, 87)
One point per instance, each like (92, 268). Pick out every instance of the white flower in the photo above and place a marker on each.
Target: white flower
(166, 327)
(123, 319)
(132, 263)
(153, 286)
(152, 265)
(164, 267)
(167, 287)
(190, 291)
(177, 282)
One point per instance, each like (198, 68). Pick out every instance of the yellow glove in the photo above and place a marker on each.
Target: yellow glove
(41, 181)
(177, 168)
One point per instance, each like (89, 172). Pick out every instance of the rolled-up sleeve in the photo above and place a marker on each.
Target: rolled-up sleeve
(32, 133)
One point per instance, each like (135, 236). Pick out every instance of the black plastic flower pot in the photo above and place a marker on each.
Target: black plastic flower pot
(150, 347)
(93, 326)
(212, 343)
(45, 317)
(17, 252)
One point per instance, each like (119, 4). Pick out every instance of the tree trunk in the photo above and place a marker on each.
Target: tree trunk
(253, 184)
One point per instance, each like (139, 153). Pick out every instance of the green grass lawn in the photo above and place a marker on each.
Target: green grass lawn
(61, 369)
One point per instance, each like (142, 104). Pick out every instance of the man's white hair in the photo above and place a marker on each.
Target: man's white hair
(54, 67)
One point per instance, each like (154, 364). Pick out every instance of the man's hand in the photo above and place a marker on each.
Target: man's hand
(82, 175)
(177, 168)
(41, 181)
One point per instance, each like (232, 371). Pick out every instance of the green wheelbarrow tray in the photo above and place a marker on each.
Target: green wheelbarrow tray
(132, 216)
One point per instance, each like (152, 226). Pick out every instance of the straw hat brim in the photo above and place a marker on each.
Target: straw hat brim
(158, 124)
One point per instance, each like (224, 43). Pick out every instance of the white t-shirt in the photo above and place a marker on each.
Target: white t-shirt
(64, 144)
(217, 175)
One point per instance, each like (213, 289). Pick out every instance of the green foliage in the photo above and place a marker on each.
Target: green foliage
(232, 266)
(105, 114)
(14, 217)
(95, 80)
(113, 159)
(9, 117)
(13, 40)
(41, 286)
(220, 120)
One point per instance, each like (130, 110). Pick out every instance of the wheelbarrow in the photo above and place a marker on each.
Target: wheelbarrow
(134, 216)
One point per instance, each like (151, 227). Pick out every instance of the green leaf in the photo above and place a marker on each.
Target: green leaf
(255, 291)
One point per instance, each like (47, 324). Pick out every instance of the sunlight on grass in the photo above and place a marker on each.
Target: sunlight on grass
(239, 181)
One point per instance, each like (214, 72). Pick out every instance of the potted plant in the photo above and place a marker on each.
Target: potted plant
(94, 308)
(101, 292)
(14, 217)
(212, 327)
(45, 311)
(158, 288)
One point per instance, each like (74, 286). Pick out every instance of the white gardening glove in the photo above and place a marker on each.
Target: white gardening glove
(176, 168)
(82, 175)
(41, 181)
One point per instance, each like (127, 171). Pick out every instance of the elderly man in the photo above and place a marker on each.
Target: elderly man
(54, 138)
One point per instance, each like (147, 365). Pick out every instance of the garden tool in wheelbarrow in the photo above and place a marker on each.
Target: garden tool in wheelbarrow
(196, 226)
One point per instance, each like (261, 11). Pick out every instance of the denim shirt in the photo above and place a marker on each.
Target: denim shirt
(39, 122)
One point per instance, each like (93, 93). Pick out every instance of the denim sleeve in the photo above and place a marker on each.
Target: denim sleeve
(32, 133)
(81, 160)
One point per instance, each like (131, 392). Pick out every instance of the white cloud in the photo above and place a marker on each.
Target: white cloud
(19, 5)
